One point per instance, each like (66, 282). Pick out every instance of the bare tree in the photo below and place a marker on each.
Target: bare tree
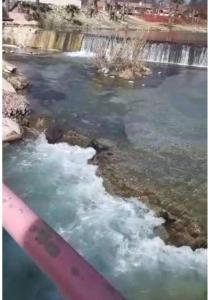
(123, 57)
(173, 12)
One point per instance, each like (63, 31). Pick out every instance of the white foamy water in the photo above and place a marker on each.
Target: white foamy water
(81, 53)
(167, 53)
(114, 234)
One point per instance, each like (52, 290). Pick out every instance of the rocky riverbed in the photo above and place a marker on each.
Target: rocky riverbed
(180, 227)
(115, 166)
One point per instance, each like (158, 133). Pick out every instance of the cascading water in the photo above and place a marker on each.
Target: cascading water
(116, 235)
(175, 54)
(85, 44)
(168, 53)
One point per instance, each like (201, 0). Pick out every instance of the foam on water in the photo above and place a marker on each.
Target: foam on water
(81, 53)
(167, 53)
(115, 234)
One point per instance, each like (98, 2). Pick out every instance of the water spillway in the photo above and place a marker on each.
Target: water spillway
(186, 55)
(159, 52)
(168, 48)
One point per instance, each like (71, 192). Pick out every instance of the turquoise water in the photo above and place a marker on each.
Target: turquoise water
(153, 117)
(160, 120)
(113, 234)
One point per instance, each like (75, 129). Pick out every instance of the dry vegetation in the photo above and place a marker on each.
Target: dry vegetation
(122, 58)
(51, 16)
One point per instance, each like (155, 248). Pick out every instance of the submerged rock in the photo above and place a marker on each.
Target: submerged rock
(130, 74)
(99, 145)
(179, 228)
(11, 130)
(162, 233)
(39, 123)
(169, 219)
(54, 133)
(74, 138)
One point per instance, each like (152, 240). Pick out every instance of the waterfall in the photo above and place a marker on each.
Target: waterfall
(85, 43)
(175, 54)
(169, 53)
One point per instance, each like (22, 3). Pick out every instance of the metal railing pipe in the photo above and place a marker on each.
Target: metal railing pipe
(75, 278)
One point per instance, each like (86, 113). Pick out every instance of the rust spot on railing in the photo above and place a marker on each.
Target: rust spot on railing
(44, 237)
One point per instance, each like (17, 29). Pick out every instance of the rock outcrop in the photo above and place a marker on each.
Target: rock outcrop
(18, 81)
(11, 74)
(179, 228)
(15, 105)
(54, 133)
(11, 130)
(7, 86)
(8, 68)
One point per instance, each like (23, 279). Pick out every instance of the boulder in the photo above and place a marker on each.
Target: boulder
(145, 70)
(8, 68)
(194, 229)
(106, 142)
(127, 74)
(15, 105)
(7, 86)
(11, 130)
(18, 81)
(54, 133)
(99, 146)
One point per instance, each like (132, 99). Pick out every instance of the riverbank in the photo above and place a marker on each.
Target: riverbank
(15, 107)
(58, 33)
(57, 18)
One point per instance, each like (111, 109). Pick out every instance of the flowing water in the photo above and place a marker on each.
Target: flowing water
(161, 120)
(158, 52)
(181, 48)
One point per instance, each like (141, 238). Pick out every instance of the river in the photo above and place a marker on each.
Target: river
(161, 121)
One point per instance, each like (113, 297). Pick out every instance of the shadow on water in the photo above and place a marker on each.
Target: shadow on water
(22, 279)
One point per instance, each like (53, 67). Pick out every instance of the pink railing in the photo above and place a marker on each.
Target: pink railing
(75, 278)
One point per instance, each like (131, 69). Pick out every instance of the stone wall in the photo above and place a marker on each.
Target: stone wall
(28, 36)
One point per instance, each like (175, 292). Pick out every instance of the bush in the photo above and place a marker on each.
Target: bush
(72, 9)
(122, 58)
(34, 12)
